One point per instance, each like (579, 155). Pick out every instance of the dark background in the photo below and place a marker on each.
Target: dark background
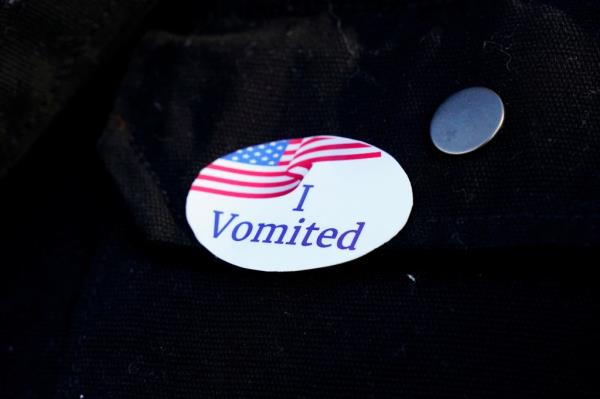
(98, 299)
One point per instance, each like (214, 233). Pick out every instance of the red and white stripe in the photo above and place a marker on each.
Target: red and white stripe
(244, 180)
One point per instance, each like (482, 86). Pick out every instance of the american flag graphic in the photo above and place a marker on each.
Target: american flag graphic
(277, 168)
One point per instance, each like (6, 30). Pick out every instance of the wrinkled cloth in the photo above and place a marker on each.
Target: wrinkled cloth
(486, 292)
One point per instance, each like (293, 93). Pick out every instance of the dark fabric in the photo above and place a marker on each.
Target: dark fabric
(169, 323)
(48, 50)
(487, 292)
(54, 208)
(378, 74)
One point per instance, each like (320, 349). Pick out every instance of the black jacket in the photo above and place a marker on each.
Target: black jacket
(107, 113)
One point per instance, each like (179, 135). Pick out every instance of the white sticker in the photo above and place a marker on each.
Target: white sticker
(299, 204)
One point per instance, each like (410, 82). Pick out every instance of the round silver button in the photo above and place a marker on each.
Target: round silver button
(467, 120)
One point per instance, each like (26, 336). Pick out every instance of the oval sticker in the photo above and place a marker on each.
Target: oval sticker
(299, 204)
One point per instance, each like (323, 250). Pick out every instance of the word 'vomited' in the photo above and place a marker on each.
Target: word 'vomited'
(272, 233)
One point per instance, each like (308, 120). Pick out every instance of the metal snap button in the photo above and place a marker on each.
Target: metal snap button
(467, 120)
